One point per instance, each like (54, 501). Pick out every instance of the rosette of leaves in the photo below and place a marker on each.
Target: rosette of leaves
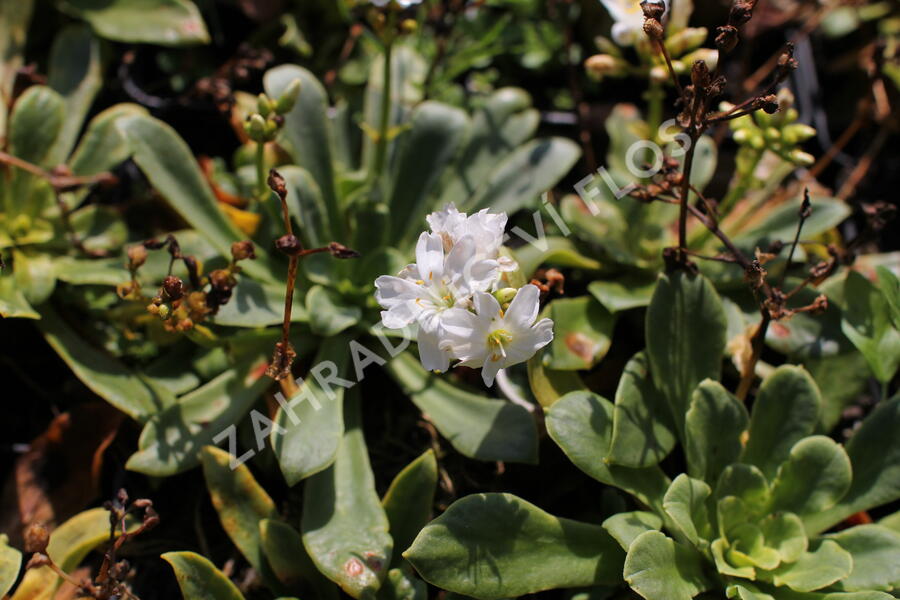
(754, 512)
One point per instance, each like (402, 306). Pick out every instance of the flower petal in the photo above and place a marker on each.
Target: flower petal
(390, 290)
(430, 257)
(524, 307)
(433, 357)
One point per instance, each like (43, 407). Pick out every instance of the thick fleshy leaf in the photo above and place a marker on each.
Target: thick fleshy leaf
(401, 585)
(477, 426)
(582, 330)
(309, 431)
(13, 303)
(345, 529)
(714, 424)
(170, 166)
(814, 477)
(10, 563)
(581, 424)
(99, 228)
(874, 452)
(525, 174)
(171, 440)
(14, 20)
(75, 73)
(868, 322)
(785, 534)
(685, 338)
(291, 564)
(625, 527)
(103, 146)
(643, 433)
(328, 316)
(658, 568)
(502, 123)
(875, 551)
(547, 385)
(34, 274)
(785, 411)
(553, 250)
(255, 304)
(500, 546)
(826, 564)
(136, 396)
(199, 579)
(308, 136)
(781, 222)
(241, 503)
(889, 284)
(840, 379)
(162, 22)
(36, 122)
(69, 544)
(685, 503)
(307, 206)
(435, 133)
(747, 483)
(408, 501)
(629, 291)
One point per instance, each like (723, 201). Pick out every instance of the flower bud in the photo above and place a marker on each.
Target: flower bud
(707, 55)
(264, 105)
(801, 158)
(162, 310)
(797, 132)
(137, 256)
(409, 26)
(659, 74)
(255, 127)
(742, 136)
(242, 250)
(288, 98)
(505, 295)
(599, 65)
(686, 40)
(772, 134)
(271, 128)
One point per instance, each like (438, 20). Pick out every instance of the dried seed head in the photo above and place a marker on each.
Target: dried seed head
(653, 29)
(700, 75)
(726, 38)
(653, 9)
(222, 280)
(741, 11)
(276, 183)
(242, 250)
(36, 538)
(769, 104)
(173, 287)
(342, 251)
(289, 244)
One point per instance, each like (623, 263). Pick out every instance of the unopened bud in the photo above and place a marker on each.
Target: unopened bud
(255, 127)
(797, 132)
(162, 311)
(707, 55)
(288, 98)
(264, 105)
(505, 295)
(686, 40)
(137, 256)
(599, 65)
(801, 158)
(408, 26)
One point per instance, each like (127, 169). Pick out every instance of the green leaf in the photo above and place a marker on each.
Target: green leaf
(241, 503)
(719, 549)
(327, 315)
(162, 22)
(713, 427)
(840, 379)
(99, 228)
(14, 20)
(868, 322)
(255, 304)
(409, 499)
(345, 529)
(625, 527)
(171, 441)
(642, 433)
(786, 410)
(747, 483)
(307, 135)
(199, 579)
(435, 133)
(785, 534)
(815, 476)
(582, 333)
(875, 551)
(549, 386)
(814, 570)
(10, 563)
(552, 250)
(498, 545)
(291, 564)
(889, 284)
(874, 452)
(36, 122)
(477, 426)
(34, 274)
(581, 424)
(76, 74)
(400, 585)
(685, 338)
(781, 222)
(658, 568)
(103, 146)
(525, 174)
(134, 395)
(169, 165)
(309, 432)
(13, 303)
(748, 548)
(685, 503)
(505, 121)
(633, 290)
(307, 206)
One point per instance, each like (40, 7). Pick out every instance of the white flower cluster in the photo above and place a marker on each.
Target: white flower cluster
(451, 293)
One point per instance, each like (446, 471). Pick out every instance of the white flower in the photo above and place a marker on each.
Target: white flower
(402, 3)
(629, 20)
(424, 291)
(492, 339)
(487, 229)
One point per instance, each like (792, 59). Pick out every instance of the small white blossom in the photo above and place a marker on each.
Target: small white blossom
(493, 339)
(487, 229)
(628, 20)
